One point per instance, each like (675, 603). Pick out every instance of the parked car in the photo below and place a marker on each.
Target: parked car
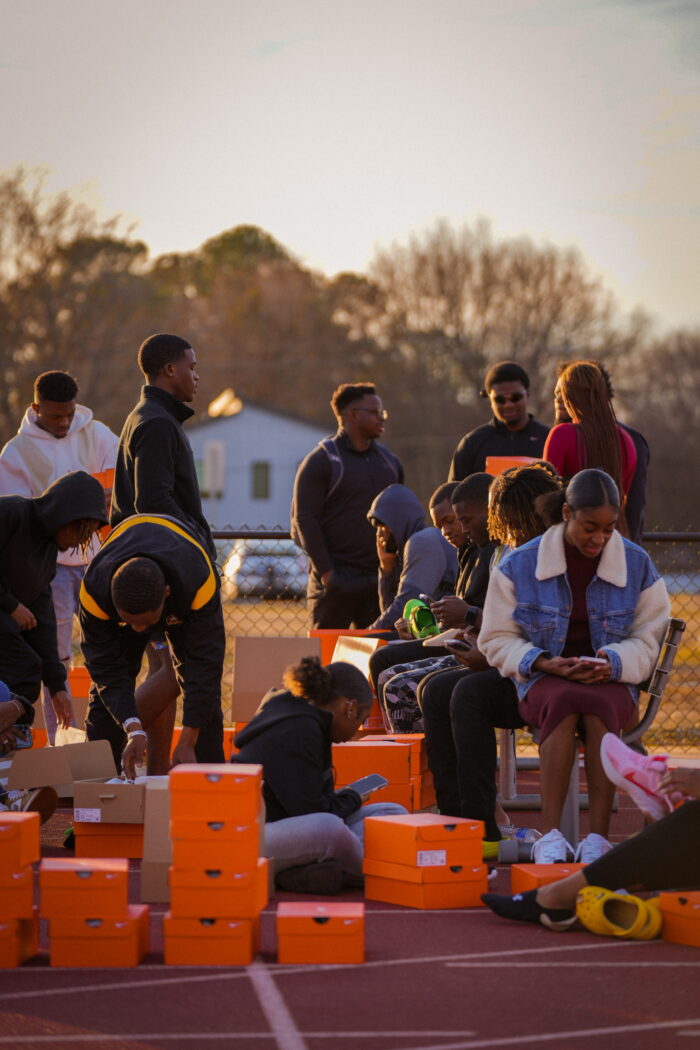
(264, 568)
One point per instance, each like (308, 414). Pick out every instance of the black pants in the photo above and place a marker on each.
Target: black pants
(101, 725)
(664, 856)
(460, 710)
(348, 603)
(21, 665)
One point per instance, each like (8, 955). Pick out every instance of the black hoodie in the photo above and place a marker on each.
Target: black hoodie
(291, 740)
(28, 558)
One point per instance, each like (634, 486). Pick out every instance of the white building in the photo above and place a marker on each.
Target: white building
(246, 458)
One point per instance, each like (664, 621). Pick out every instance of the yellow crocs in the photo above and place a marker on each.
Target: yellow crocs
(652, 928)
(612, 914)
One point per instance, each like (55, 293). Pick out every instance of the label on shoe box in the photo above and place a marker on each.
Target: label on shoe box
(431, 858)
(88, 816)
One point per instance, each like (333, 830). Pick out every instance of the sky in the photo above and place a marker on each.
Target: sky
(340, 128)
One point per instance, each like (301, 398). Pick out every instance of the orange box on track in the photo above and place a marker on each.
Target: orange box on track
(455, 886)
(210, 942)
(524, 877)
(108, 840)
(424, 840)
(359, 758)
(19, 840)
(681, 914)
(215, 844)
(83, 888)
(213, 791)
(315, 932)
(16, 893)
(218, 894)
(19, 940)
(107, 941)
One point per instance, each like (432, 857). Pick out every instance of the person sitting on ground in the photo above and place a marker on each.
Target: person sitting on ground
(661, 857)
(460, 510)
(314, 835)
(575, 617)
(462, 706)
(32, 532)
(16, 715)
(414, 558)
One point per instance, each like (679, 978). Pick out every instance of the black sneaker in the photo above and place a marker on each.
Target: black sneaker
(523, 907)
(323, 879)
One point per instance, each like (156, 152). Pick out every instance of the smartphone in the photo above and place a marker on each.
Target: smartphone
(591, 660)
(448, 639)
(366, 785)
(459, 644)
(24, 736)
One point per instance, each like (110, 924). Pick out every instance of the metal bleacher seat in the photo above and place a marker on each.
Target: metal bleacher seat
(651, 694)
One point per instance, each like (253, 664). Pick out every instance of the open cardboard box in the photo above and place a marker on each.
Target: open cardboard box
(58, 767)
(259, 664)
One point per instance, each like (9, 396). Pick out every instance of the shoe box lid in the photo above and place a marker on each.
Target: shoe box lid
(82, 888)
(313, 917)
(415, 741)
(19, 840)
(211, 893)
(524, 877)
(681, 917)
(423, 876)
(423, 840)
(216, 791)
(359, 758)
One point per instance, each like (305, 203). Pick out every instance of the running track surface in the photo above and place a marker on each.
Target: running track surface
(435, 980)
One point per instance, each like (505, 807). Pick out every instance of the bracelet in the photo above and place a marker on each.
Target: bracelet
(136, 732)
(19, 704)
(128, 721)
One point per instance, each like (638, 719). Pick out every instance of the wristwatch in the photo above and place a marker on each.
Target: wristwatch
(471, 615)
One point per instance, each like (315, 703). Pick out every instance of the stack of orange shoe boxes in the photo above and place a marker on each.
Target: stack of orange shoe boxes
(19, 922)
(91, 922)
(424, 860)
(218, 880)
(423, 789)
(391, 759)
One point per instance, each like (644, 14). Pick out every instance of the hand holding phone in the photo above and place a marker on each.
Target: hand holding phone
(365, 786)
(592, 660)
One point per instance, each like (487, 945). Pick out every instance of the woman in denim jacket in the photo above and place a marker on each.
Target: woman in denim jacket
(579, 590)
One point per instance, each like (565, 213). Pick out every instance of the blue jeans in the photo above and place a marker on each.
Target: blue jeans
(65, 591)
(314, 837)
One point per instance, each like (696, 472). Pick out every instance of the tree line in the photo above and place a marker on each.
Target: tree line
(425, 323)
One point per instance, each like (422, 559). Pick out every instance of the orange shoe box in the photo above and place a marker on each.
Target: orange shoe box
(424, 840)
(83, 889)
(16, 893)
(108, 840)
(456, 886)
(210, 942)
(314, 932)
(416, 742)
(79, 682)
(358, 759)
(19, 939)
(215, 844)
(218, 893)
(19, 840)
(524, 877)
(681, 915)
(211, 791)
(401, 794)
(40, 737)
(107, 941)
(423, 790)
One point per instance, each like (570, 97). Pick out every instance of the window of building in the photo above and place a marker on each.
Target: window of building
(260, 480)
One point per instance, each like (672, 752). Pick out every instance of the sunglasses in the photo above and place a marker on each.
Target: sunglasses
(503, 399)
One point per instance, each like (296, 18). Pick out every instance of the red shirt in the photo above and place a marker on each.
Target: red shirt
(565, 445)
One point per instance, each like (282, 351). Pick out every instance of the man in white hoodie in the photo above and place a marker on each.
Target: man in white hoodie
(57, 435)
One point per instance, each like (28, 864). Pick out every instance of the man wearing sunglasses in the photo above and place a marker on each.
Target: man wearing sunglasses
(512, 431)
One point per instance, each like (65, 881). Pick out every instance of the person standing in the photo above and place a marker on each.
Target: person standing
(57, 435)
(511, 431)
(333, 491)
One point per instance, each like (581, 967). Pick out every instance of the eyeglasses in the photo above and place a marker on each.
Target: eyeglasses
(380, 413)
(503, 399)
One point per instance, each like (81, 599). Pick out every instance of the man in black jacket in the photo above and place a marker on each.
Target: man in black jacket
(333, 490)
(32, 531)
(151, 574)
(511, 431)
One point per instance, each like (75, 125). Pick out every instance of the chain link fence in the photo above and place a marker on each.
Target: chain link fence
(264, 586)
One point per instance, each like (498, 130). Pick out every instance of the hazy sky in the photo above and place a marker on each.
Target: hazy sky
(339, 127)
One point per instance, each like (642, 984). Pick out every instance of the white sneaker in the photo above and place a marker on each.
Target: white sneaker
(41, 800)
(552, 848)
(591, 848)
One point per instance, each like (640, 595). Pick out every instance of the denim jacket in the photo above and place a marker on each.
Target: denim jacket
(528, 605)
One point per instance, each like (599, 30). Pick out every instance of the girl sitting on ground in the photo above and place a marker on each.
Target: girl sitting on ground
(314, 835)
(579, 591)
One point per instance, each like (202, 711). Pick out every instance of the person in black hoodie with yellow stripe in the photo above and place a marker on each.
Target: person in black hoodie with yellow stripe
(32, 531)
(151, 574)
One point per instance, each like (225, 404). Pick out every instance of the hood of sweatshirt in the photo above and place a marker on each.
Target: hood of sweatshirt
(73, 497)
(83, 416)
(281, 706)
(400, 510)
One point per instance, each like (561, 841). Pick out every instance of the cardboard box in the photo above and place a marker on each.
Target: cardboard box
(210, 942)
(457, 886)
(16, 893)
(423, 791)
(99, 802)
(19, 840)
(83, 888)
(524, 877)
(258, 665)
(108, 941)
(328, 637)
(416, 742)
(424, 840)
(356, 650)
(213, 791)
(359, 758)
(108, 840)
(59, 767)
(311, 932)
(157, 850)
(219, 894)
(681, 915)
(19, 940)
(215, 844)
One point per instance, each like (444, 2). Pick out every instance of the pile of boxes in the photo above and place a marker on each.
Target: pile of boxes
(19, 920)
(91, 922)
(390, 757)
(218, 880)
(424, 860)
(421, 779)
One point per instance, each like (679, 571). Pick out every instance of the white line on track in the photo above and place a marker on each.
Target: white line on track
(537, 1038)
(131, 1037)
(276, 1011)
(559, 964)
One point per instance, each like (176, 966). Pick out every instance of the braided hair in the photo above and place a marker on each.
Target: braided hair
(585, 391)
(513, 515)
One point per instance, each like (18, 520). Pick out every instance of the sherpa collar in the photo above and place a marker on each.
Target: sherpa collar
(551, 559)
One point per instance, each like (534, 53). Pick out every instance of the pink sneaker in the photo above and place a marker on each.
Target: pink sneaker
(637, 775)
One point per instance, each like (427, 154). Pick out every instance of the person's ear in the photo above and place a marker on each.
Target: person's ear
(566, 512)
(167, 591)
